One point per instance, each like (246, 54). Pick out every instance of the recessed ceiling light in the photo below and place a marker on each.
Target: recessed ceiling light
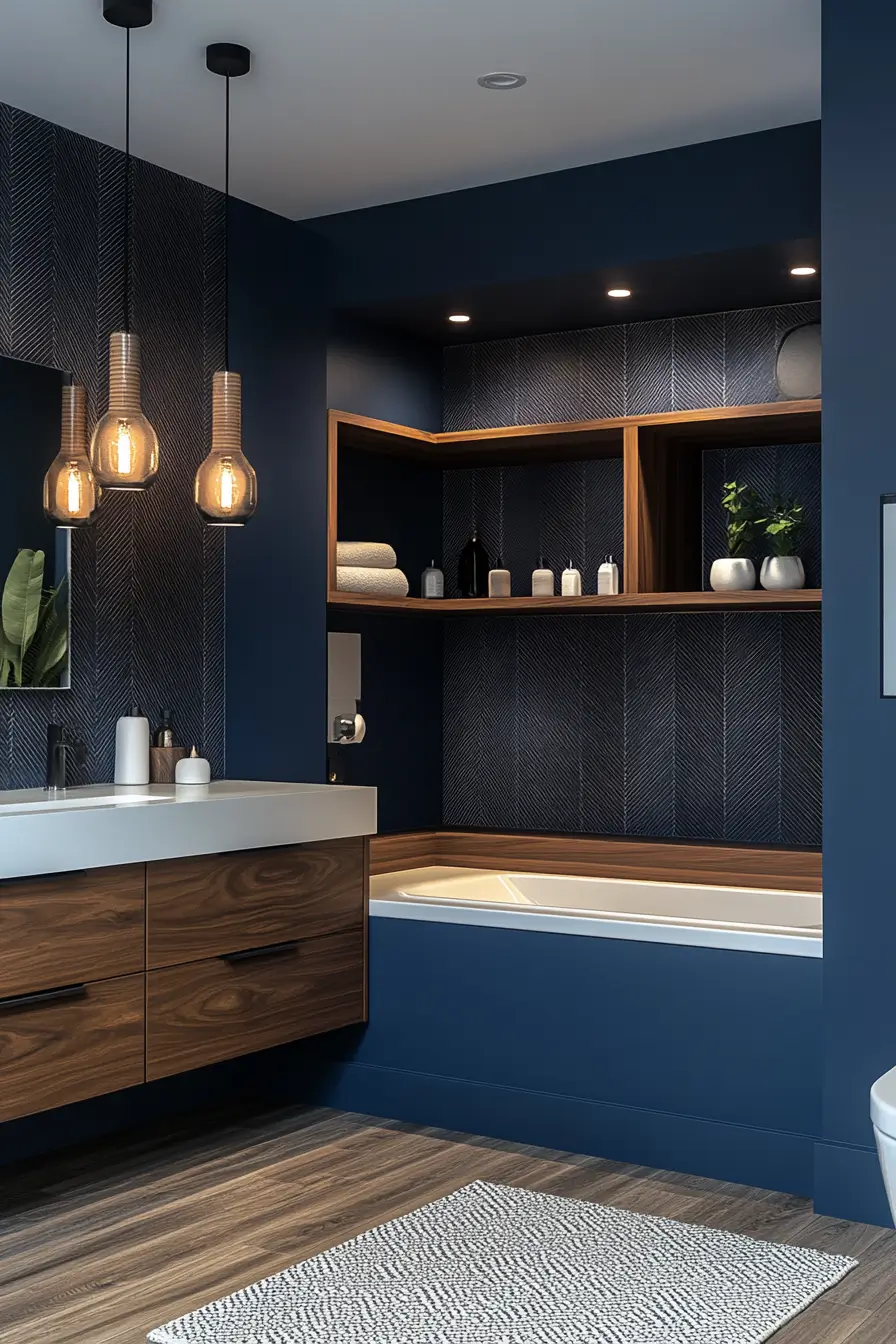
(458, 317)
(501, 79)
(803, 270)
(619, 293)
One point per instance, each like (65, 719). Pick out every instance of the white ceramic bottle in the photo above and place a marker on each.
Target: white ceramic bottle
(542, 580)
(571, 582)
(499, 580)
(608, 578)
(132, 748)
(433, 581)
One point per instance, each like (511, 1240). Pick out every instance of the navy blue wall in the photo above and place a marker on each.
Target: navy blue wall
(687, 1058)
(739, 192)
(383, 374)
(858, 223)
(388, 376)
(276, 566)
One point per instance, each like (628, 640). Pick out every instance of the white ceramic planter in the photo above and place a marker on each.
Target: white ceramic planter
(732, 575)
(782, 571)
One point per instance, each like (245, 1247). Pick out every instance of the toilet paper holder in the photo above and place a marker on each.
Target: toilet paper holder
(349, 729)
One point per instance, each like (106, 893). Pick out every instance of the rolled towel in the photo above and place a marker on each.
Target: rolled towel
(366, 554)
(376, 582)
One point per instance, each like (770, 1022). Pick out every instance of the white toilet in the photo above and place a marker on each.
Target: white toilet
(883, 1117)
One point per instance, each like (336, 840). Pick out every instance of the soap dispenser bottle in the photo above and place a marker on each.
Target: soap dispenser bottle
(132, 748)
(164, 734)
(571, 581)
(499, 580)
(432, 583)
(472, 569)
(608, 578)
(542, 580)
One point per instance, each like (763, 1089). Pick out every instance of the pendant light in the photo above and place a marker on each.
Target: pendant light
(71, 494)
(226, 490)
(124, 448)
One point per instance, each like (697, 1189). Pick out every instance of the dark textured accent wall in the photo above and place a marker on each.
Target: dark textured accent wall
(686, 726)
(148, 580)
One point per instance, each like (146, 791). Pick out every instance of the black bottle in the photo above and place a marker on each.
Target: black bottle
(164, 734)
(472, 569)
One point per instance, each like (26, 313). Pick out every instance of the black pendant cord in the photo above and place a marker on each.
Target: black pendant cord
(127, 182)
(227, 224)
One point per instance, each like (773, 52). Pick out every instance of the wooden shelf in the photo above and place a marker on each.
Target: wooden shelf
(722, 426)
(662, 496)
(805, 599)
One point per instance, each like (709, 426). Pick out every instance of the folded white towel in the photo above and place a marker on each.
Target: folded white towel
(366, 554)
(377, 582)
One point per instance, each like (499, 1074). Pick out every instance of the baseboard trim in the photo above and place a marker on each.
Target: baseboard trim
(771, 1159)
(849, 1184)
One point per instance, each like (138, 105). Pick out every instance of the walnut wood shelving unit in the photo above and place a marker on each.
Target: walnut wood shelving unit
(662, 498)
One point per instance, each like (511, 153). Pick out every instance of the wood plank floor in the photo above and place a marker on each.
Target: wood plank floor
(99, 1245)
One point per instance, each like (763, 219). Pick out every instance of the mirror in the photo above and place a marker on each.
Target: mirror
(35, 611)
(888, 594)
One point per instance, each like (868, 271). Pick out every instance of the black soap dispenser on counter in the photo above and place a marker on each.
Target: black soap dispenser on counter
(472, 569)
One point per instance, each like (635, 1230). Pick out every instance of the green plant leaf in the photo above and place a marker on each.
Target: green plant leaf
(51, 645)
(20, 605)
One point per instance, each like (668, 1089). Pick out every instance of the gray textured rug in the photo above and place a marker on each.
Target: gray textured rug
(492, 1264)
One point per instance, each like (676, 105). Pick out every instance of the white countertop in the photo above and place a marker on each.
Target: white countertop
(104, 824)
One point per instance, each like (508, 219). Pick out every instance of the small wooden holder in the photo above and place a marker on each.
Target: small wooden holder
(162, 763)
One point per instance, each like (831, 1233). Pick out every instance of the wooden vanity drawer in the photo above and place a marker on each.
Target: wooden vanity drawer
(64, 928)
(210, 1010)
(207, 906)
(69, 1044)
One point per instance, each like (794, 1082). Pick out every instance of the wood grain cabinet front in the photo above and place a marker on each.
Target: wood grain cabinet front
(209, 906)
(66, 928)
(69, 1043)
(231, 1005)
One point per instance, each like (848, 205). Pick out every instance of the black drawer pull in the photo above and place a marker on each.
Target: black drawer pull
(44, 996)
(272, 950)
(42, 877)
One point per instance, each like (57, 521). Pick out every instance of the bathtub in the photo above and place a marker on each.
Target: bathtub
(741, 919)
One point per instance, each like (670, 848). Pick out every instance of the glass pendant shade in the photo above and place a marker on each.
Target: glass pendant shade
(71, 494)
(226, 489)
(124, 448)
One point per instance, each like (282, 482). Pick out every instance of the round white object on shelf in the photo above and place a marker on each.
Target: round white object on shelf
(192, 770)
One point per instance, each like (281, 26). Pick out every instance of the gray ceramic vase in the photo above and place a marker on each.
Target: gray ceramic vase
(782, 571)
(734, 574)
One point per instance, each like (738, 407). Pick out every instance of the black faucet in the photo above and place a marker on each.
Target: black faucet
(60, 743)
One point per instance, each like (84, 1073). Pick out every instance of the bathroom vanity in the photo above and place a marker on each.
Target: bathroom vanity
(226, 920)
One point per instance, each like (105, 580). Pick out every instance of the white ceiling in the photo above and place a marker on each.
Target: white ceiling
(359, 102)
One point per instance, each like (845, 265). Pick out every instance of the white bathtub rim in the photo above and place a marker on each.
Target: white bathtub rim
(532, 919)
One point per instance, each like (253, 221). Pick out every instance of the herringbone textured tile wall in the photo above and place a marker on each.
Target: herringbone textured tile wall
(148, 580)
(702, 726)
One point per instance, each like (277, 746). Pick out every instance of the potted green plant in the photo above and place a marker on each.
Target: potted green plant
(736, 571)
(782, 527)
(33, 625)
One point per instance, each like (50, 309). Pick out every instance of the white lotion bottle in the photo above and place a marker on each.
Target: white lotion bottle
(132, 748)
(608, 578)
(571, 582)
(433, 582)
(499, 580)
(542, 580)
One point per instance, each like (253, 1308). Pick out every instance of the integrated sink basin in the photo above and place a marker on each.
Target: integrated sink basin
(104, 825)
(74, 798)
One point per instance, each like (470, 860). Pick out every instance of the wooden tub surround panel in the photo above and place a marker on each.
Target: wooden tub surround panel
(587, 856)
(116, 976)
